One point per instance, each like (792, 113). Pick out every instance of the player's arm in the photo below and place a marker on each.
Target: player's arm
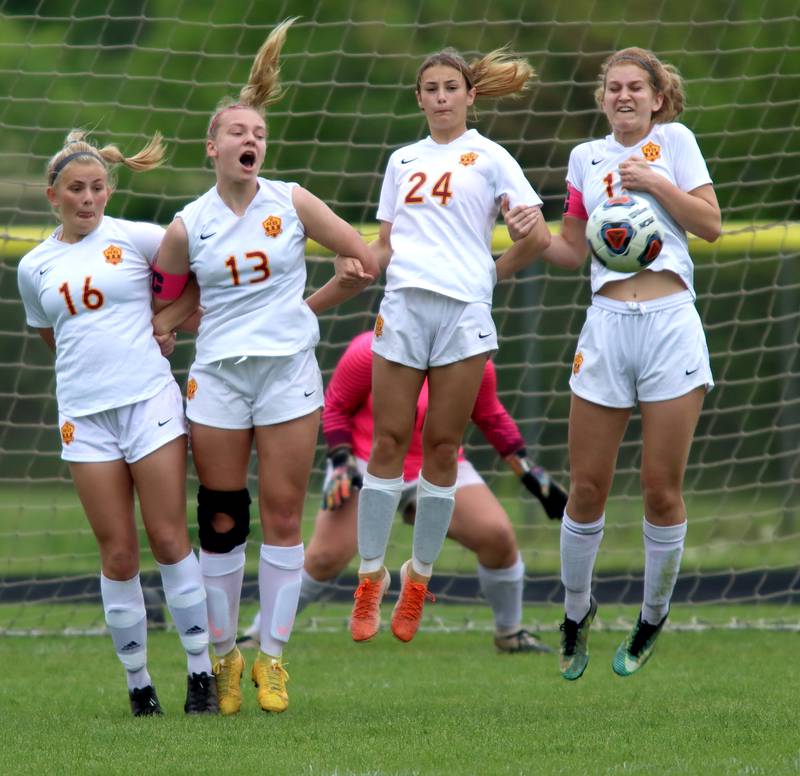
(501, 431)
(354, 266)
(171, 266)
(381, 246)
(348, 389)
(696, 211)
(568, 248)
(182, 314)
(525, 250)
(48, 337)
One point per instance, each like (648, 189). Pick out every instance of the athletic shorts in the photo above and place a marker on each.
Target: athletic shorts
(645, 351)
(253, 391)
(420, 328)
(467, 475)
(130, 432)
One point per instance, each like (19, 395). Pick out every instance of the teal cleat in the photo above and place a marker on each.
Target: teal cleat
(574, 653)
(635, 651)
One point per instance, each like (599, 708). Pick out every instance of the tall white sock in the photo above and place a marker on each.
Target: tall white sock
(579, 545)
(663, 548)
(279, 590)
(377, 503)
(123, 604)
(186, 600)
(223, 575)
(434, 509)
(502, 588)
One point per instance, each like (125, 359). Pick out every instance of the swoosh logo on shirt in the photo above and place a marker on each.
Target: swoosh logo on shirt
(45, 270)
(596, 161)
(206, 236)
(407, 161)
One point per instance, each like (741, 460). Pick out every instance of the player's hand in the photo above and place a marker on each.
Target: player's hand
(166, 342)
(350, 272)
(520, 219)
(636, 174)
(344, 479)
(551, 495)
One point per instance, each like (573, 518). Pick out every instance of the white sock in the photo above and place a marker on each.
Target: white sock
(377, 503)
(434, 509)
(279, 590)
(502, 588)
(663, 548)
(311, 590)
(123, 604)
(579, 545)
(223, 575)
(186, 600)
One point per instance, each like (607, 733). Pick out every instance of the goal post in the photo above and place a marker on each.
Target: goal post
(348, 69)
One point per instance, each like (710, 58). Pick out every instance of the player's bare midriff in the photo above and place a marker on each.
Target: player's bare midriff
(643, 286)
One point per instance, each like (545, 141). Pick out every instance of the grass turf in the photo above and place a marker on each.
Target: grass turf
(708, 702)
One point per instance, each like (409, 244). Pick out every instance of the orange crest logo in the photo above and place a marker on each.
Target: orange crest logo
(113, 254)
(379, 326)
(272, 226)
(651, 151)
(468, 159)
(191, 388)
(67, 432)
(577, 363)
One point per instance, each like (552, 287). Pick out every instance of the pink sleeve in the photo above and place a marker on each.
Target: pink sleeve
(492, 418)
(348, 389)
(573, 204)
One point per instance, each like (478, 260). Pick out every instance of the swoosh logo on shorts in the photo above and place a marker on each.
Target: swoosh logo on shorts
(309, 393)
(481, 335)
(692, 371)
(163, 422)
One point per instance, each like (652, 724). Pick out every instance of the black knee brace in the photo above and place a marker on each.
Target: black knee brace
(235, 504)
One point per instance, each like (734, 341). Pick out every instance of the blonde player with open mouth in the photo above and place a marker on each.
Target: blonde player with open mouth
(255, 376)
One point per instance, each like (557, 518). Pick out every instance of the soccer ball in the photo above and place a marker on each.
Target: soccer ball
(624, 233)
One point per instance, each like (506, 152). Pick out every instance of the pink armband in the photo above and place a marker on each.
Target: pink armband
(573, 204)
(167, 286)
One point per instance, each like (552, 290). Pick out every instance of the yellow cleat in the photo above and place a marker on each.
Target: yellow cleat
(270, 677)
(229, 670)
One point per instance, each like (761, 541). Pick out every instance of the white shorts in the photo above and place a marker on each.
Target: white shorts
(254, 390)
(130, 432)
(467, 475)
(645, 351)
(420, 328)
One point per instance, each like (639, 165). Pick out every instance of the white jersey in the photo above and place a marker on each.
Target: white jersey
(95, 295)
(673, 152)
(442, 201)
(252, 275)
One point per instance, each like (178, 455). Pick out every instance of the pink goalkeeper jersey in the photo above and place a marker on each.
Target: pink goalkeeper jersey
(347, 417)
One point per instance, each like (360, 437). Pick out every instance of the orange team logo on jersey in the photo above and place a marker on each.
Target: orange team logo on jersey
(67, 432)
(379, 326)
(577, 363)
(113, 254)
(468, 158)
(272, 226)
(651, 151)
(191, 388)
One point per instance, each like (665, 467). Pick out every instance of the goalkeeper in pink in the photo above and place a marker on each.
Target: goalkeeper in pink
(479, 522)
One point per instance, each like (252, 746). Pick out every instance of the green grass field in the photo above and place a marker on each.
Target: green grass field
(709, 702)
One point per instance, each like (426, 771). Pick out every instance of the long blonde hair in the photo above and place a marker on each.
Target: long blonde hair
(77, 147)
(497, 74)
(263, 86)
(664, 80)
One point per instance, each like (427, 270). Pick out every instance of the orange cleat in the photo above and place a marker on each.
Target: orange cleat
(408, 609)
(365, 621)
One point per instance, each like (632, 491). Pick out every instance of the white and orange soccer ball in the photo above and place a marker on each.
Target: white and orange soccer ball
(624, 233)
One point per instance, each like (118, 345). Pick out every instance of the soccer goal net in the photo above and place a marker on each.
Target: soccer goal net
(126, 69)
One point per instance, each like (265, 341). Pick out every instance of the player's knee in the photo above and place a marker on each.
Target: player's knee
(119, 562)
(389, 446)
(216, 533)
(169, 546)
(441, 455)
(324, 563)
(661, 501)
(499, 549)
(588, 494)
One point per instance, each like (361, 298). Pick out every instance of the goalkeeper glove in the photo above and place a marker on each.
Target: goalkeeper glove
(551, 495)
(344, 478)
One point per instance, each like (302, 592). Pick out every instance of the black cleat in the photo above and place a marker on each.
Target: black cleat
(201, 694)
(144, 702)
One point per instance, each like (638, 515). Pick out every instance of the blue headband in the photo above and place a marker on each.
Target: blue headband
(67, 159)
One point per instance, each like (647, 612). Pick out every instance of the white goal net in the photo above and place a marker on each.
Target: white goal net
(127, 69)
